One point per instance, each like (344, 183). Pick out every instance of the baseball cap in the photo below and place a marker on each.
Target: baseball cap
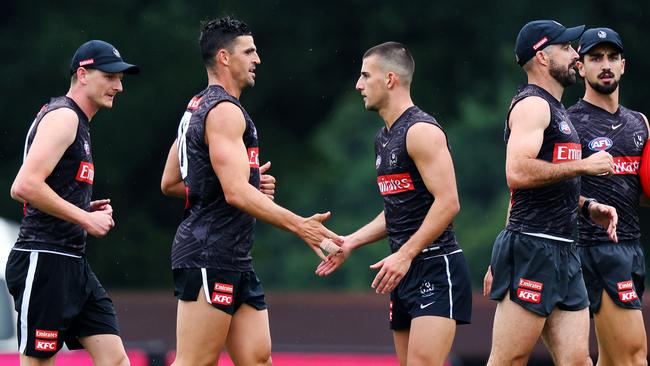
(536, 35)
(595, 36)
(102, 56)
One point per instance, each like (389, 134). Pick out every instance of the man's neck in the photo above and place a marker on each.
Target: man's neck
(225, 81)
(608, 102)
(547, 83)
(395, 108)
(85, 104)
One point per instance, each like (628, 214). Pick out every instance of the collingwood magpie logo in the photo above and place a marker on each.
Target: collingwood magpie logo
(426, 289)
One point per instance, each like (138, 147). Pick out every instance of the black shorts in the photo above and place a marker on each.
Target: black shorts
(619, 269)
(436, 286)
(225, 290)
(539, 273)
(58, 299)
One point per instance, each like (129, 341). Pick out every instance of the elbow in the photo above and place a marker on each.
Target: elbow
(233, 197)
(515, 180)
(20, 191)
(454, 207)
(166, 188)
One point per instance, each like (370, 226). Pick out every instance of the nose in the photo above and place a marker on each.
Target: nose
(574, 54)
(118, 85)
(256, 59)
(359, 85)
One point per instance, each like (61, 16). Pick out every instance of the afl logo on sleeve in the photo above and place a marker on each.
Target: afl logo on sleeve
(86, 172)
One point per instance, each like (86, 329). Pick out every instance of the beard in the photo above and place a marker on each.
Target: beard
(563, 74)
(603, 89)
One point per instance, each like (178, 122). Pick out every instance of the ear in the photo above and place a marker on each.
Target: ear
(581, 68)
(622, 66)
(391, 80)
(82, 75)
(542, 58)
(222, 57)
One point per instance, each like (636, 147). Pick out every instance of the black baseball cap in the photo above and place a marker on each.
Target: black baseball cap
(102, 56)
(536, 35)
(595, 36)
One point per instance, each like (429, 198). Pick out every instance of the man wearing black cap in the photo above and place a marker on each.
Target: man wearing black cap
(214, 165)
(57, 296)
(537, 279)
(614, 272)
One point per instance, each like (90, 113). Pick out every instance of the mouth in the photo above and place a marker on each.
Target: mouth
(606, 76)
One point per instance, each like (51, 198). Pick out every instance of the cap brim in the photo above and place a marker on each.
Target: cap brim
(569, 34)
(584, 50)
(118, 67)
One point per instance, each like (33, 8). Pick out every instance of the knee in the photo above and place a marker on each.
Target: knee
(114, 360)
(640, 357)
(263, 357)
(577, 361)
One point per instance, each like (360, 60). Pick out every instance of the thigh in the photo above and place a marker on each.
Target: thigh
(430, 340)
(401, 340)
(566, 334)
(201, 332)
(97, 316)
(621, 334)
(105, 349)
(33, 361)
(249, 339)
(514, 334)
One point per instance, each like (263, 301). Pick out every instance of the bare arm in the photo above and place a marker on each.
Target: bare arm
(528, 120)
(55, 133)
(427, 146)
(172, 183)
(644, 200)
(224, 128)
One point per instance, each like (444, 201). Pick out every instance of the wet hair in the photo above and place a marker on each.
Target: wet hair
(395, 57)
(219, 33)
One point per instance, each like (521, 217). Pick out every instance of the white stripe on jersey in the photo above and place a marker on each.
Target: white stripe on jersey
(24, 307)
(204, 274)
(451, 298)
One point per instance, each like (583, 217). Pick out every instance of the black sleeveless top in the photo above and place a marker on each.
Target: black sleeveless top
(72, 179)
(213, 234)
(623, 135)
(551, 209)
(406, 199)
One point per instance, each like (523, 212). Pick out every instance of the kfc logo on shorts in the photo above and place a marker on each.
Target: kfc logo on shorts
(627, 296)
(394, 183)
(194, 103)
(223, 287)
(625, 285)
(47, 334)
(529, 296)
(86, 172)
(221, 299)
(568, 151)
(254, 157)
(531, 285)
(46, 346)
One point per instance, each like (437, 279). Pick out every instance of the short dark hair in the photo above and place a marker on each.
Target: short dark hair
(219, 33)
(394, 57)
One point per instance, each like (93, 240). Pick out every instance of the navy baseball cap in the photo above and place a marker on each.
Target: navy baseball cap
(536, 35)
(102, 56)
(595, 36)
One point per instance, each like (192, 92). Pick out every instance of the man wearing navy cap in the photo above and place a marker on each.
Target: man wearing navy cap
(614, 273)
(57, 296)
(536, 272)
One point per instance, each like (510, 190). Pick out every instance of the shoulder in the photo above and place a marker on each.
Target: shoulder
(226, 116)
(425, 136)
(534, 109)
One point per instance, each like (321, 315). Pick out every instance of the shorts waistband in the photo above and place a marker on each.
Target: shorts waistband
(437, 252)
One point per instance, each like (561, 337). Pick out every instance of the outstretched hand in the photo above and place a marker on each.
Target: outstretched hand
(313, 232)
(334, 260)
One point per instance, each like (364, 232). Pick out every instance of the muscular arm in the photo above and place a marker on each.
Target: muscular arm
(528, 120)
(55, 133)
(224, 128)
(172, 183)
(644, 200)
